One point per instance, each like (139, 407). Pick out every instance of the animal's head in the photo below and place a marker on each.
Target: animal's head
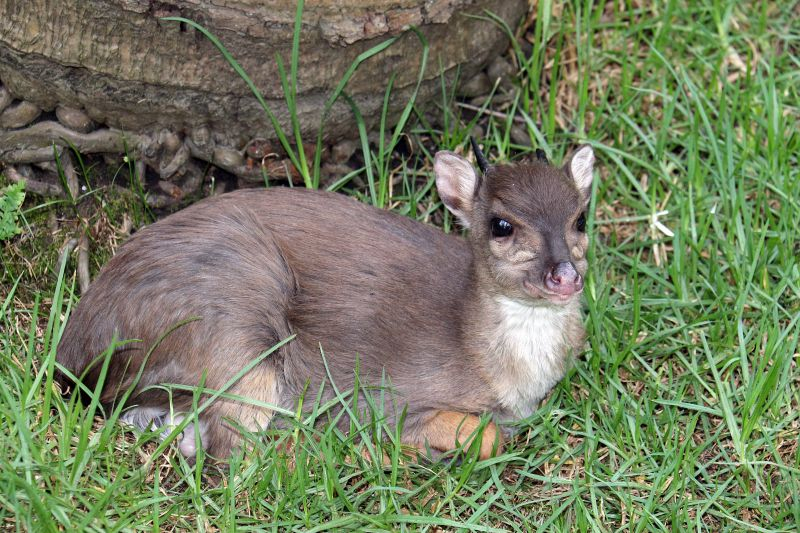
(527, 221)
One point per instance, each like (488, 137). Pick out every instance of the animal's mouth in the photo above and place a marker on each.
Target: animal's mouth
(541, 293)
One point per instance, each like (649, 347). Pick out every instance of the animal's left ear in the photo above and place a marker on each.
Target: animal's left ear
(457, 184)
(581, 167)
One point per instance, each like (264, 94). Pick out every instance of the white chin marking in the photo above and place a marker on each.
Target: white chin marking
(159, 419)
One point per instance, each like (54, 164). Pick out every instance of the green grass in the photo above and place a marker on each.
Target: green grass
(682, 415)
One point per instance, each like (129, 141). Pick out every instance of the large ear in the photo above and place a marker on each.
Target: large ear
(581, 166)
(457, 184)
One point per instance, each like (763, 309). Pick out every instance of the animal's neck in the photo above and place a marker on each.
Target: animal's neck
(524, 348)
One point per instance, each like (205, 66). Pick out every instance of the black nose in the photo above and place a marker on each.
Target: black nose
(564, 279)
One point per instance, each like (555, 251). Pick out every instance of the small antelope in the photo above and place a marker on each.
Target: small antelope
(460, 326)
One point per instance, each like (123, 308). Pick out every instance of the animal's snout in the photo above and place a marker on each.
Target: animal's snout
(563, 279)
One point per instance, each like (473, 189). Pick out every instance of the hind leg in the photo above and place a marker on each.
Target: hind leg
(221, 435)
(165, 418)
(217, 426)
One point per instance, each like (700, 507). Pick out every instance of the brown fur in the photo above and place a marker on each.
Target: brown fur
(447, 430)
(375, 290)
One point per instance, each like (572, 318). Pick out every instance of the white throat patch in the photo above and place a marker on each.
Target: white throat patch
(529, 347)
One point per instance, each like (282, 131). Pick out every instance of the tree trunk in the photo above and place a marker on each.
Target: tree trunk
(116, 63)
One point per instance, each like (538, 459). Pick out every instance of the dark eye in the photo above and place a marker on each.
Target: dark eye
(580, 224)
(501, 228)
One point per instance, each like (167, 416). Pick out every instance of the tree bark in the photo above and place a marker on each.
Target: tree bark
(126, 68)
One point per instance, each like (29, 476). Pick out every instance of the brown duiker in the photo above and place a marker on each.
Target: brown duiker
(455, 327)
